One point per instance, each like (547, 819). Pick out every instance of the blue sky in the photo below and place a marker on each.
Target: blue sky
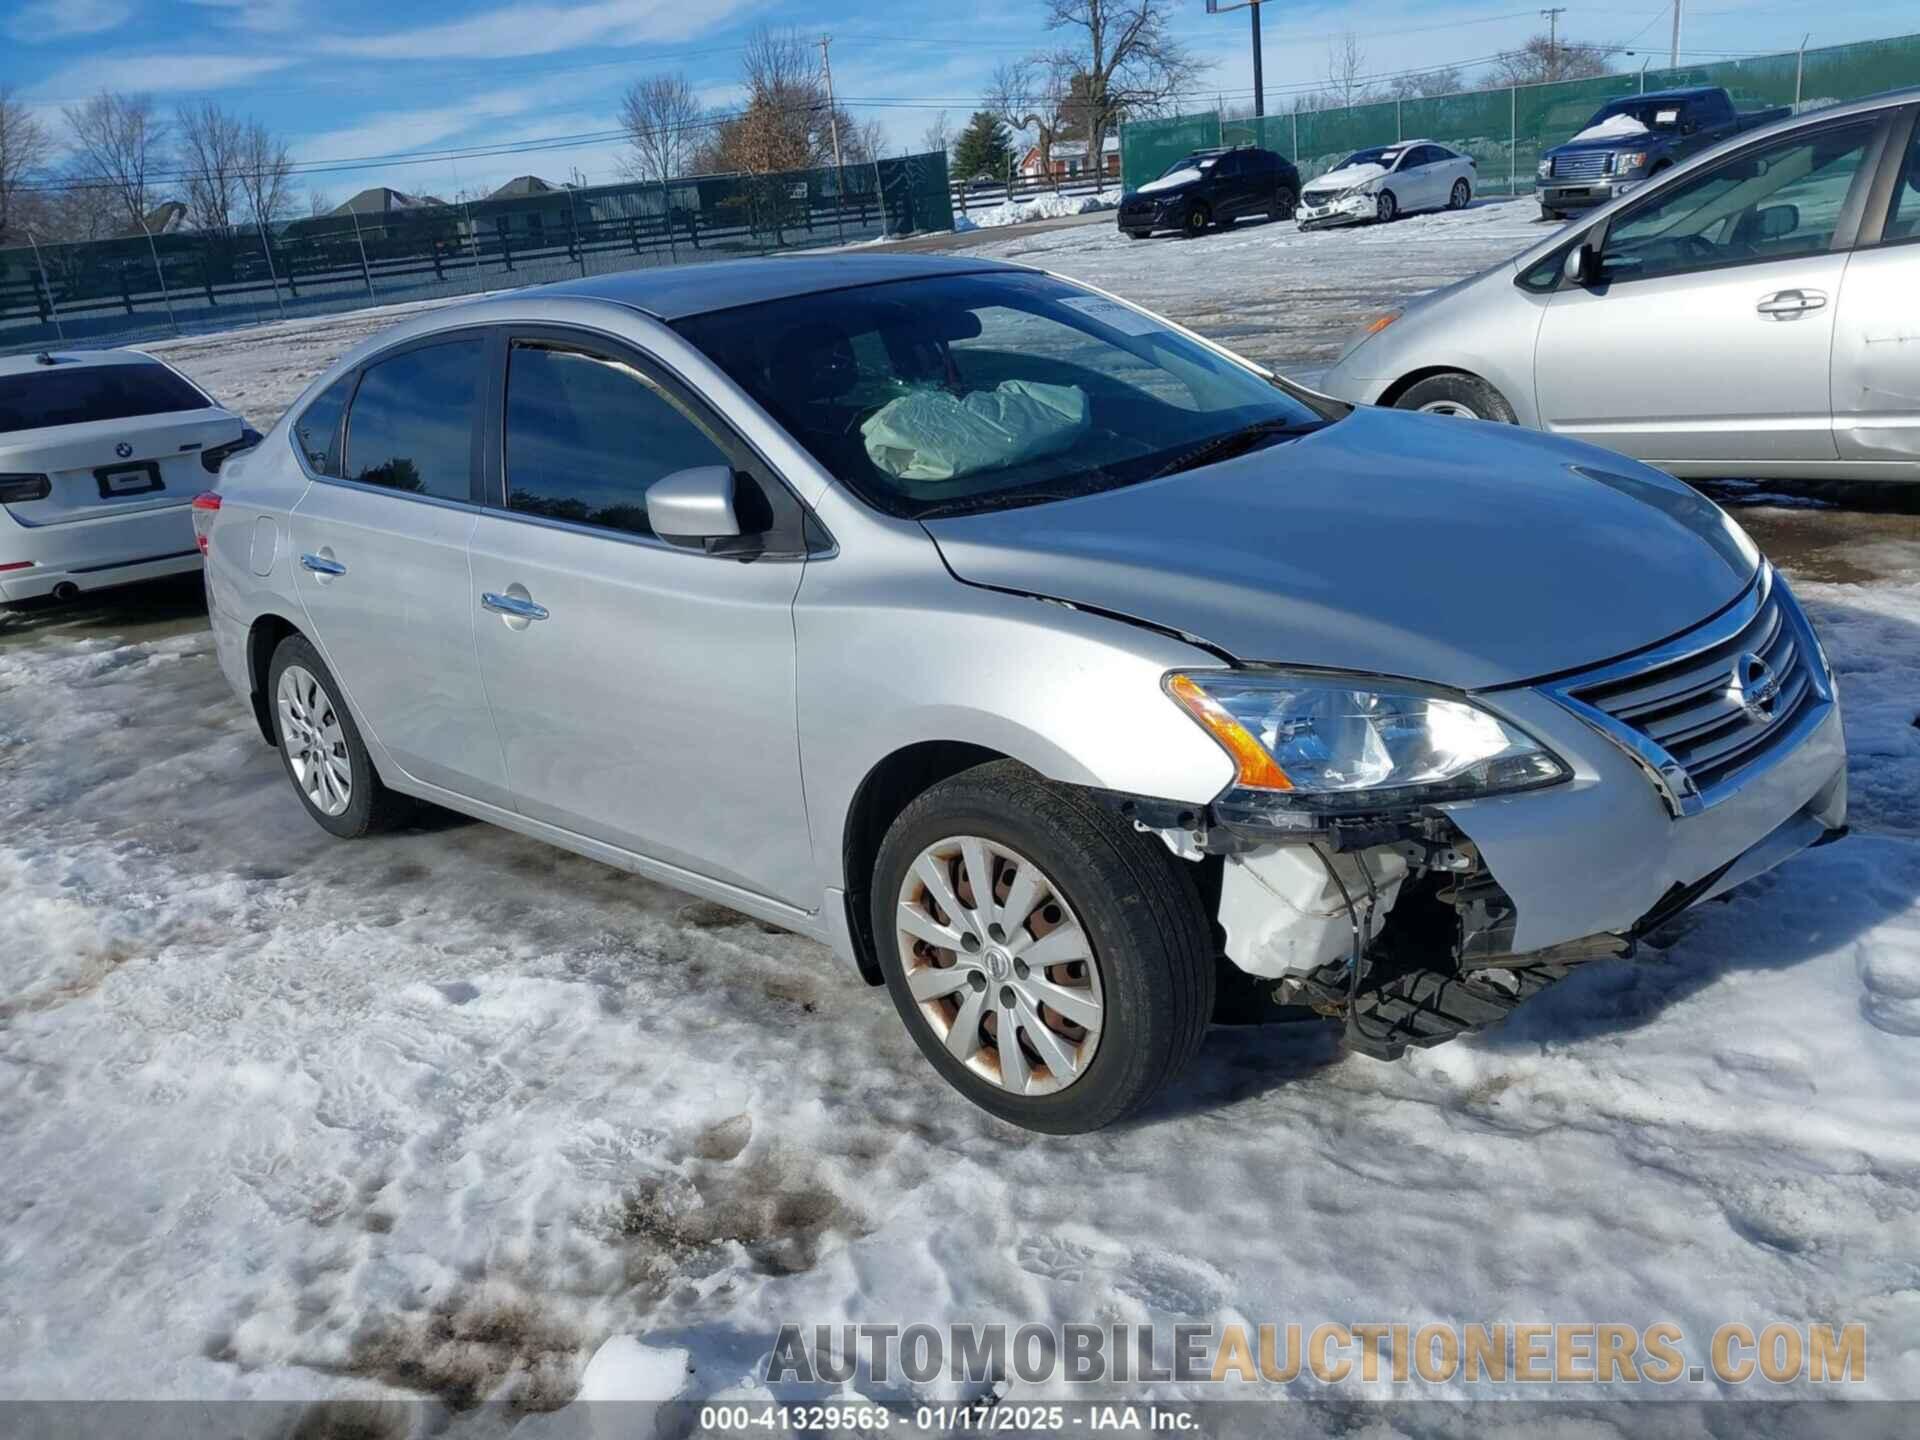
(352, 78)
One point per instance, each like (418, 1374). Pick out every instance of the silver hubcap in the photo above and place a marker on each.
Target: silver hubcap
(1449, 407)
(999, 966)
(316, 746)
(1459, 194)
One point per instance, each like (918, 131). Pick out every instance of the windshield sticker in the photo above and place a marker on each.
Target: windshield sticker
(1112, 312)
(1665, 117)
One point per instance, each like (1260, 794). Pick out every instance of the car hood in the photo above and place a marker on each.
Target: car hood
(1452, 551)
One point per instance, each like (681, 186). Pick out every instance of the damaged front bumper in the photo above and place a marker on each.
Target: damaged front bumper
(1317, 212)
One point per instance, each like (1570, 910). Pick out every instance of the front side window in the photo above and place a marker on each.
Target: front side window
(411, 425)
(77, 394)
(317, 431)
(974, 392)
(1903, 210)
(1780, 201)
(587, 434)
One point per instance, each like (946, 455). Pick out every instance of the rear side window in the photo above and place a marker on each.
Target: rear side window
(587, 434)
(1903, 211)
(411, 426)
(76, 394)
(317, 431)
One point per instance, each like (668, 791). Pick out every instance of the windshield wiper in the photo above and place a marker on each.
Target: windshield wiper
(1237, 442)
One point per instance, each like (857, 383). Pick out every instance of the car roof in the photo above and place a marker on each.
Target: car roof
(675, 292)
(1682, 92)
(67, 359)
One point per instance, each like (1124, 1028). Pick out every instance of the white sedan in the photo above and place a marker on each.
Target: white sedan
(1387, 181)
(101, 454)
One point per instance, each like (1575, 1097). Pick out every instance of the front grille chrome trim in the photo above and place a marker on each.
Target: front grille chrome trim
(1676, 711)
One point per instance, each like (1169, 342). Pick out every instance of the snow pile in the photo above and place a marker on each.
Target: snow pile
(1050, 206)
(1170, 181)
(1614, 127)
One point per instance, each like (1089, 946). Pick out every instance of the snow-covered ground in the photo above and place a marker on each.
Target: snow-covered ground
(449, 1113)
(1040, 207)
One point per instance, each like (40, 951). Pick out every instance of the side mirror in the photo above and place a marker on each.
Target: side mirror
(1580, 265)
(1778, 221)
(694, 505)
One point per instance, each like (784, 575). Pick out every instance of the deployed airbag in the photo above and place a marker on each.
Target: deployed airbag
(934, 435)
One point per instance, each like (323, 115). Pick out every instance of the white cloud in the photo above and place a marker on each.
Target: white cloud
(259, 17)
(157, 74)
(518, 30)
(38, 21)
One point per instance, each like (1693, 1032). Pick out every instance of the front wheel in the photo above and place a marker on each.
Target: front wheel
(1198, 218)
(1462, 193)
(1459, 395)
(1053, 963)
(1139, 234)
(1386, 205)
(1552, 217)
(1285, 202)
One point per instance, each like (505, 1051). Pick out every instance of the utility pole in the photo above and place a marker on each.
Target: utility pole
(1552, 17)
(1259, 84)
(1673, 55)
(833, 115)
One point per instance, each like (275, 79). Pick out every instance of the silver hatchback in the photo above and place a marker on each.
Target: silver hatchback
(1749, 313)
(1059, 669)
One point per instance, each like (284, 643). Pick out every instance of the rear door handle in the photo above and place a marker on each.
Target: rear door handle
(321, 565)
(1785, 304)
(516, 606)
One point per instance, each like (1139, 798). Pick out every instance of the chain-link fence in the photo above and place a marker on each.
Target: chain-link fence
(1506, 130)
(109, 292)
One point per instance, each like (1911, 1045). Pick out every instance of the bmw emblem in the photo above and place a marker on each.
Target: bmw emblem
(123, 449)
(1755, 686)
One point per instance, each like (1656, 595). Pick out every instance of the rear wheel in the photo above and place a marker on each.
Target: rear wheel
(1462, 193)
(321, 748)
(1053, 963)
(1386, 205)
(1457, 394)
(1286, 200)
(1198, 218)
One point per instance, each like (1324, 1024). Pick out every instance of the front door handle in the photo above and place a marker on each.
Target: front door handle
(1785, 304)
(517, 607)
(323, 565)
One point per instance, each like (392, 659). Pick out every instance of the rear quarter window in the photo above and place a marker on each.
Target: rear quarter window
(79, 394)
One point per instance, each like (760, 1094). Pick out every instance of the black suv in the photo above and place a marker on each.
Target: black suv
(1212, 187)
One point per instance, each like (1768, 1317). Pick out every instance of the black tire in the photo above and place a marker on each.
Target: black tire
(1460, 195)
(1386, 207)
(1144, 921)
(371, 806)
(1197, 219)
(1286, 200)
(1456, 387)
(1139, 234)
(1551, 216)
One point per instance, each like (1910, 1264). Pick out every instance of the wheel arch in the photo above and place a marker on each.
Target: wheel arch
(263, 638)
(887, 789)
(1391, 395)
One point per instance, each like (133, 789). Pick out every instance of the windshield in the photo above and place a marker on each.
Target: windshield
(977, 392)
(1381, 155)
(1189, 162)
(1654, 114)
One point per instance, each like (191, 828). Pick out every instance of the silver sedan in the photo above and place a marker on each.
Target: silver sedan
(1055, 667)
(1749, 313)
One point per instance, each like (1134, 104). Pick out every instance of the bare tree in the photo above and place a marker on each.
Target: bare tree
(661, 116)
(23, 150)
(1031, 96)
(786, 104)
(1119, 59)
(319, 202)
(1544, 58)
(266, 171)
(869, 142)
(937, 138)
(119, 143)
(1446, 80)
(211, 142)
(1346, 70)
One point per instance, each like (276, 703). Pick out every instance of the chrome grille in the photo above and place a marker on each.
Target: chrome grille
(1703, 710)
(1582, 165)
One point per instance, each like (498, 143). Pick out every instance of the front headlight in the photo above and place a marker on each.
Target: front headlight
(1306, 744)
(1546, 169)
(1629, 160)
(1365, 187)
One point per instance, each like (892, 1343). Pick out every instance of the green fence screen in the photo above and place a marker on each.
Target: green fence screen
(109, 292)
(1506, 130)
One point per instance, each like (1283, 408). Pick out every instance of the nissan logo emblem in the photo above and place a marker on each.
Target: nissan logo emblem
(1755, 686)
(123, 449)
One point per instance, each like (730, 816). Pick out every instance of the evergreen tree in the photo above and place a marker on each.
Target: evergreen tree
(983, 148)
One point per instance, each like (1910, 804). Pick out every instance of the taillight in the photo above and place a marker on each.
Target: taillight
(207, 502)
(210, 460)
(16, 489)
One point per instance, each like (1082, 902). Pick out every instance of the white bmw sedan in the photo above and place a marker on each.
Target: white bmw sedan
(101, 454)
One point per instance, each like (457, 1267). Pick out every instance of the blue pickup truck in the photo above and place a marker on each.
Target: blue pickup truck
(1630, 139)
